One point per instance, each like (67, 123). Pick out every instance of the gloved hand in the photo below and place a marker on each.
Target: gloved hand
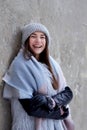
(50, 103)
(38, 100)
(65, 112)
(43, 100)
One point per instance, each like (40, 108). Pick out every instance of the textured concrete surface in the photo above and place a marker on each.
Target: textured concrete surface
(67, 23)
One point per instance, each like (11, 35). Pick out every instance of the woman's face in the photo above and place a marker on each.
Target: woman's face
(37, 43)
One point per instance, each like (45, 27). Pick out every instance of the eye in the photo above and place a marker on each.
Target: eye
(43, 37)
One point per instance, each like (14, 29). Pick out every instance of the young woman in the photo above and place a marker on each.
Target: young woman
(36, 86)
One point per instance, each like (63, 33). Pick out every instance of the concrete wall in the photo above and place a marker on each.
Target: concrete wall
(67, 23)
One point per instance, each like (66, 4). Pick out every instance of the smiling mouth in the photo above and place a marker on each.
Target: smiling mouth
(37, 46)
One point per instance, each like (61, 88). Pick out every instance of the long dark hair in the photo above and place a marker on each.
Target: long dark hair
(43, 58)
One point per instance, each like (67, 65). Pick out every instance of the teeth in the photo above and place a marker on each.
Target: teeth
(37, 46)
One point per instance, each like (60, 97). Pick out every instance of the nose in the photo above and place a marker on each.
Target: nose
(38, 39)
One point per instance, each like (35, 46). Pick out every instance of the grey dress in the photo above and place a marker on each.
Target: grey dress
(20, 119)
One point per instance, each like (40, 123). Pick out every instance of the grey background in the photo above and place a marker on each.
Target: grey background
(67, 23)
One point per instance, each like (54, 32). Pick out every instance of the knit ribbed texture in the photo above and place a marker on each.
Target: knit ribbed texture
(33, 27)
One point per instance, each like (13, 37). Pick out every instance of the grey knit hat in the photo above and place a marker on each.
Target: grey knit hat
(31, 28)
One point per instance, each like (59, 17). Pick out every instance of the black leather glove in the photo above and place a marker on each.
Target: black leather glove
(39, 100)
(43, 100)
(41, 112)
(64, 97)
(42, 106)
(66, 112)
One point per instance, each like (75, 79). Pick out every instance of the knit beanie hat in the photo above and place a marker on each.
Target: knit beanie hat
(33, 27)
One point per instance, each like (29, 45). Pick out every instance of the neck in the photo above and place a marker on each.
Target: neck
(37, 57)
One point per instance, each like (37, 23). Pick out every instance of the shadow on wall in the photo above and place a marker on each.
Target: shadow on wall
(15, 45)
(13, 48)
